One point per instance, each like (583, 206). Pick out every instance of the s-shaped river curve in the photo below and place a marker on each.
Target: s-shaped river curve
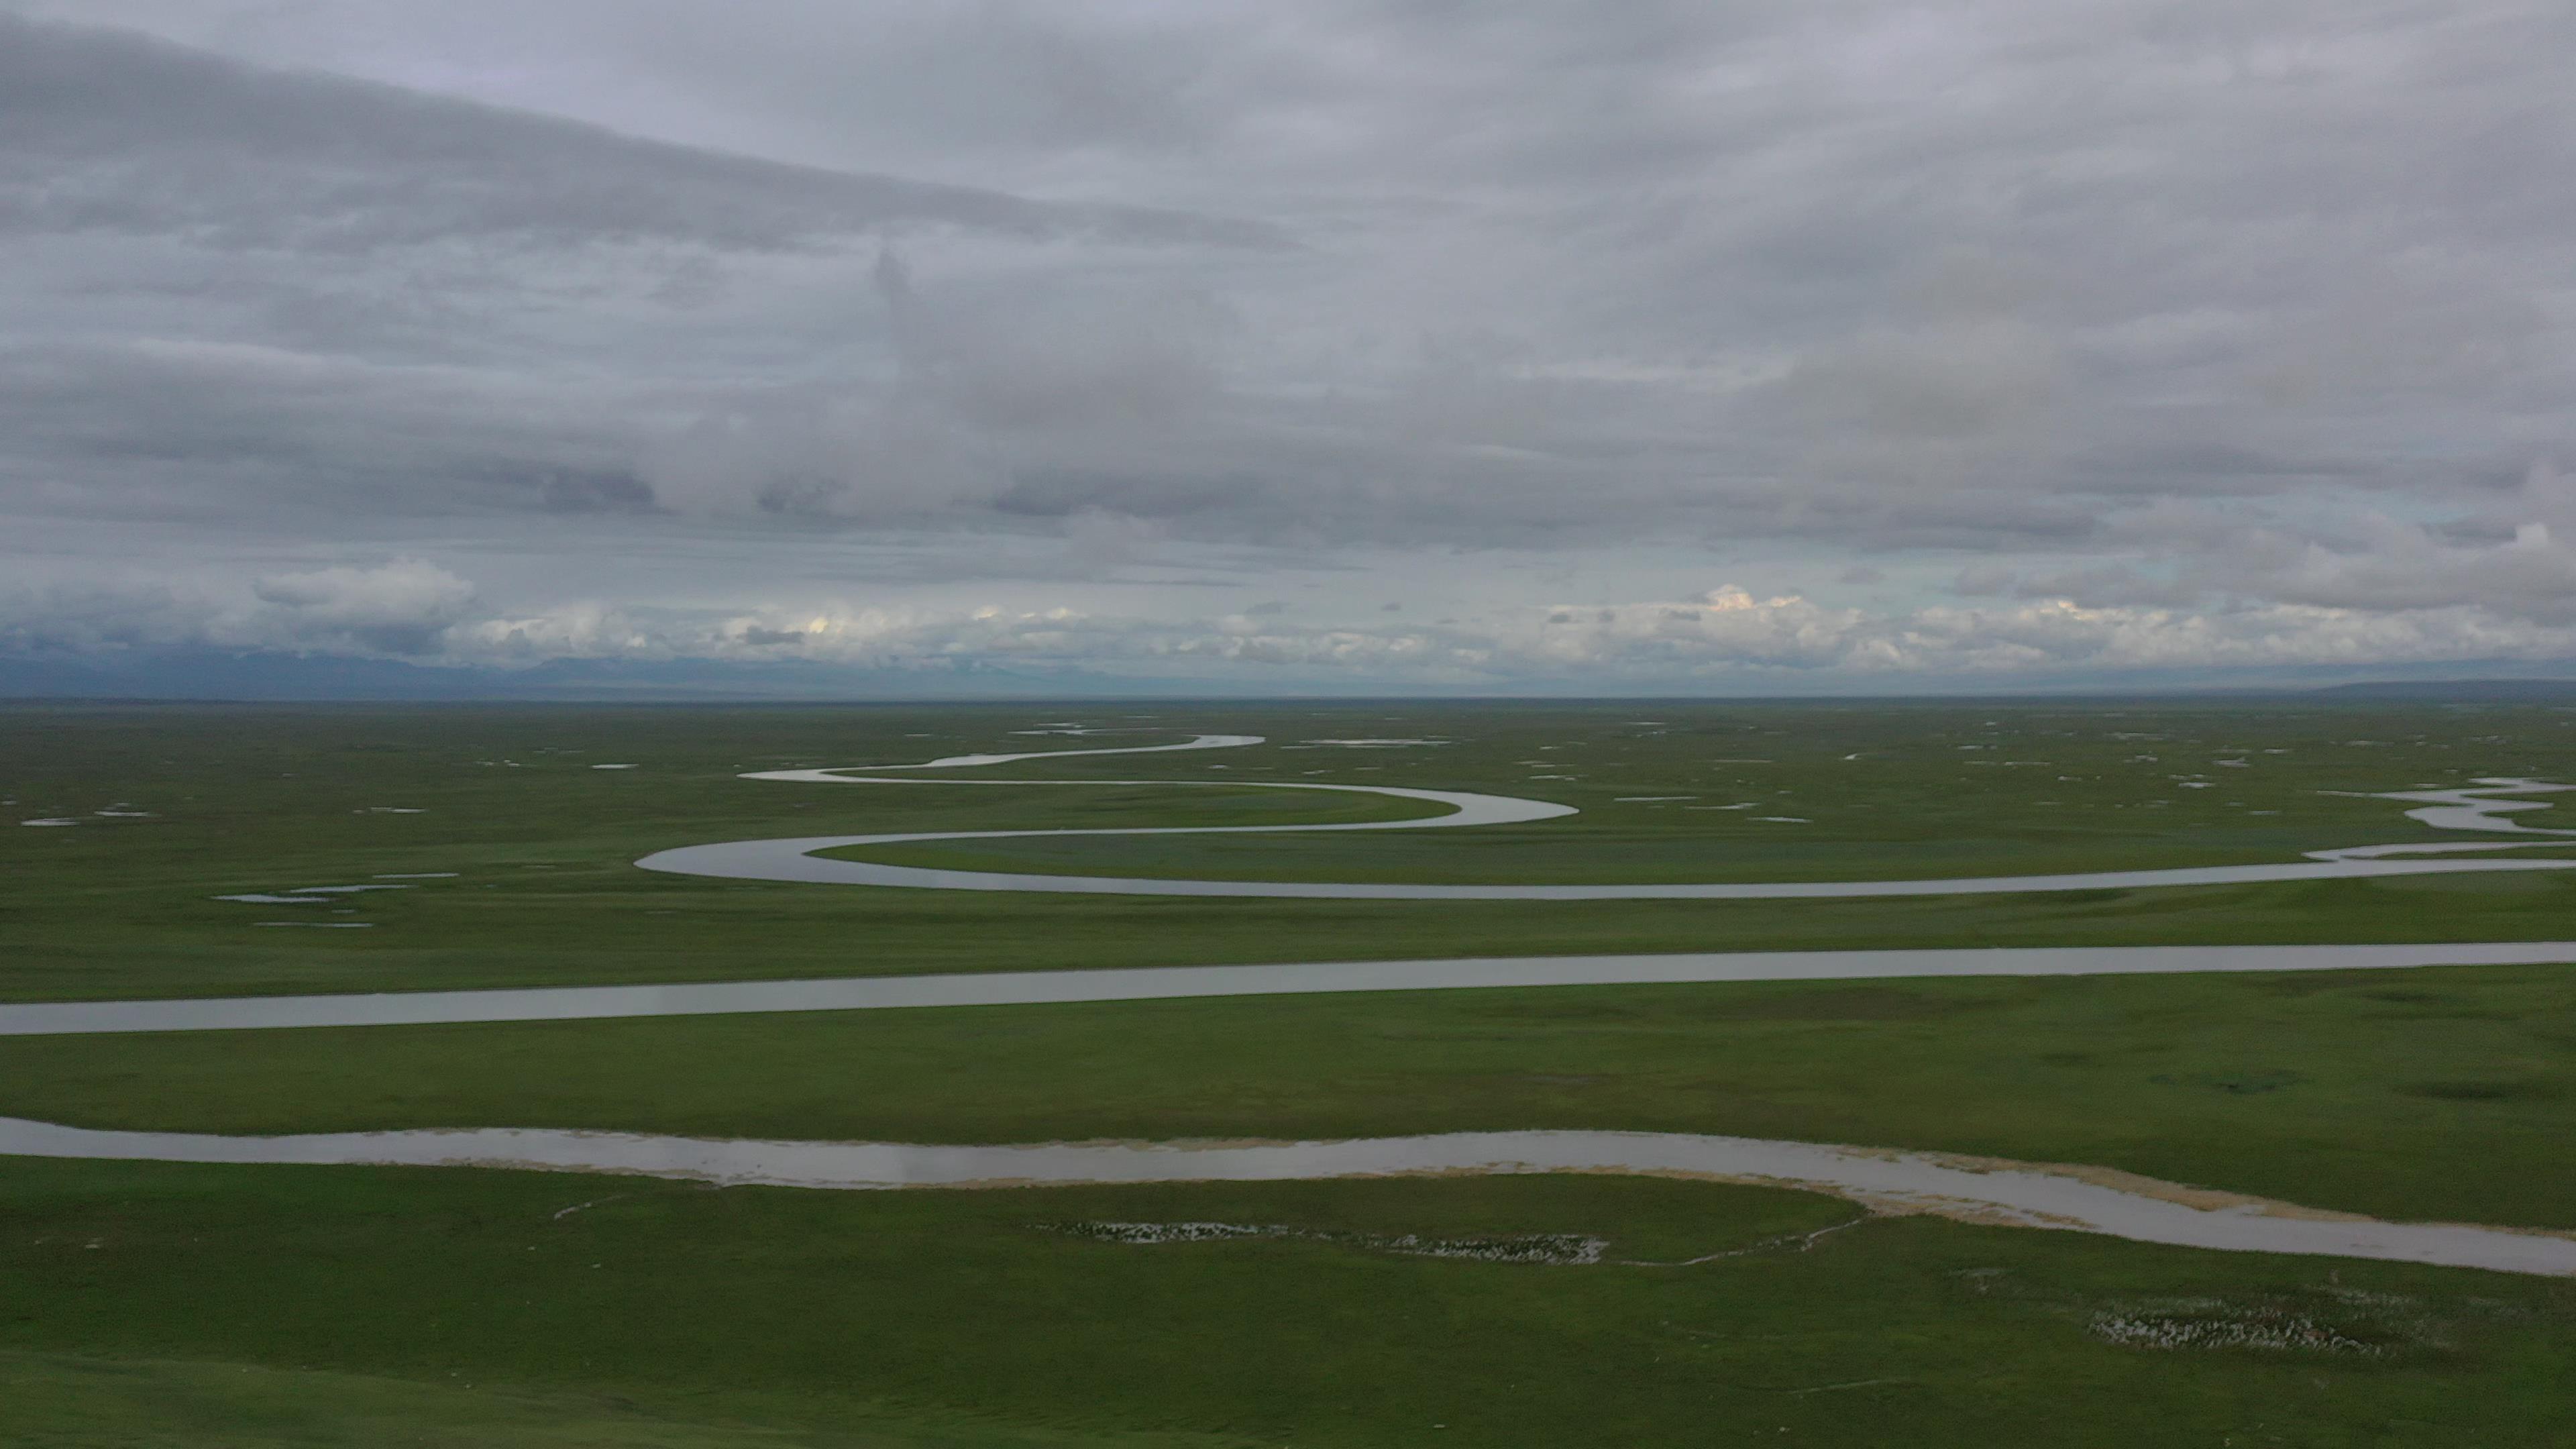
(2482, 806)
(1983, 1190)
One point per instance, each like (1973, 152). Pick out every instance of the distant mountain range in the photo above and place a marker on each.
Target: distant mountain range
(2462, 690)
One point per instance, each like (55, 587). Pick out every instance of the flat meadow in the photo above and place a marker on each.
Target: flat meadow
(155, 1303)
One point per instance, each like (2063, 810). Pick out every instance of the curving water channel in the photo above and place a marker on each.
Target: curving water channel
(2481, 807)
(1153, 983)
(1978, 1190)
(2484, 806)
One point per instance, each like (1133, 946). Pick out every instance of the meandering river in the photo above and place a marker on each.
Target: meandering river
(2015, 1194)
(2481, 807)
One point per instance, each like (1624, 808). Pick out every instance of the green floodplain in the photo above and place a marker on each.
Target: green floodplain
(174, 1304)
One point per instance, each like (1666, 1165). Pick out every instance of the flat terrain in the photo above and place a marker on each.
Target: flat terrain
(805, 1311)
(172, 1304)
(541, 840)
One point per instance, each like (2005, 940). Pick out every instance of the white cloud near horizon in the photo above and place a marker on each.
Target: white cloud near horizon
(1725, 638)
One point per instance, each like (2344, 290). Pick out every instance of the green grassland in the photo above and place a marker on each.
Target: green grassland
(2391, 1093)
(75, 1401)
(249, 801)
(152, 1304)
(802, 1312)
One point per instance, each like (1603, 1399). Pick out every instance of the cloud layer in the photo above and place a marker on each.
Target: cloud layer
(1972, 339)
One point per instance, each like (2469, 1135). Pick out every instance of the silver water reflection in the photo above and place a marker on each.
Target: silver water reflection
(1009, 988)
(795, 860)
(1886, 1181)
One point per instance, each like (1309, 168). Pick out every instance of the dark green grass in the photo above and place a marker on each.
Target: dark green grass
(885, 1306)
(80, 1401)
(2444, 1093)
(267, 800)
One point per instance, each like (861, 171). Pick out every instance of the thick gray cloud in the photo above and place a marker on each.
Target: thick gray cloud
(1969, 337)
(114, 132)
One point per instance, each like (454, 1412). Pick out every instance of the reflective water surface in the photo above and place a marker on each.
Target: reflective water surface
(2025, 1195)
(1977, 1190)
(1004, 988)
(2480, 807)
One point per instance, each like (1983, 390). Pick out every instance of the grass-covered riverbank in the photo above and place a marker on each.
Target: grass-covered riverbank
(2390, 1093)
(519, 849)
(961, 1318)
(165, 1304)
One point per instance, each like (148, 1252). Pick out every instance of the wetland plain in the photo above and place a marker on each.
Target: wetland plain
(468, 849)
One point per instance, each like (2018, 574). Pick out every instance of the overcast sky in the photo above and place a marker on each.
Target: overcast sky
(1731, 345)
